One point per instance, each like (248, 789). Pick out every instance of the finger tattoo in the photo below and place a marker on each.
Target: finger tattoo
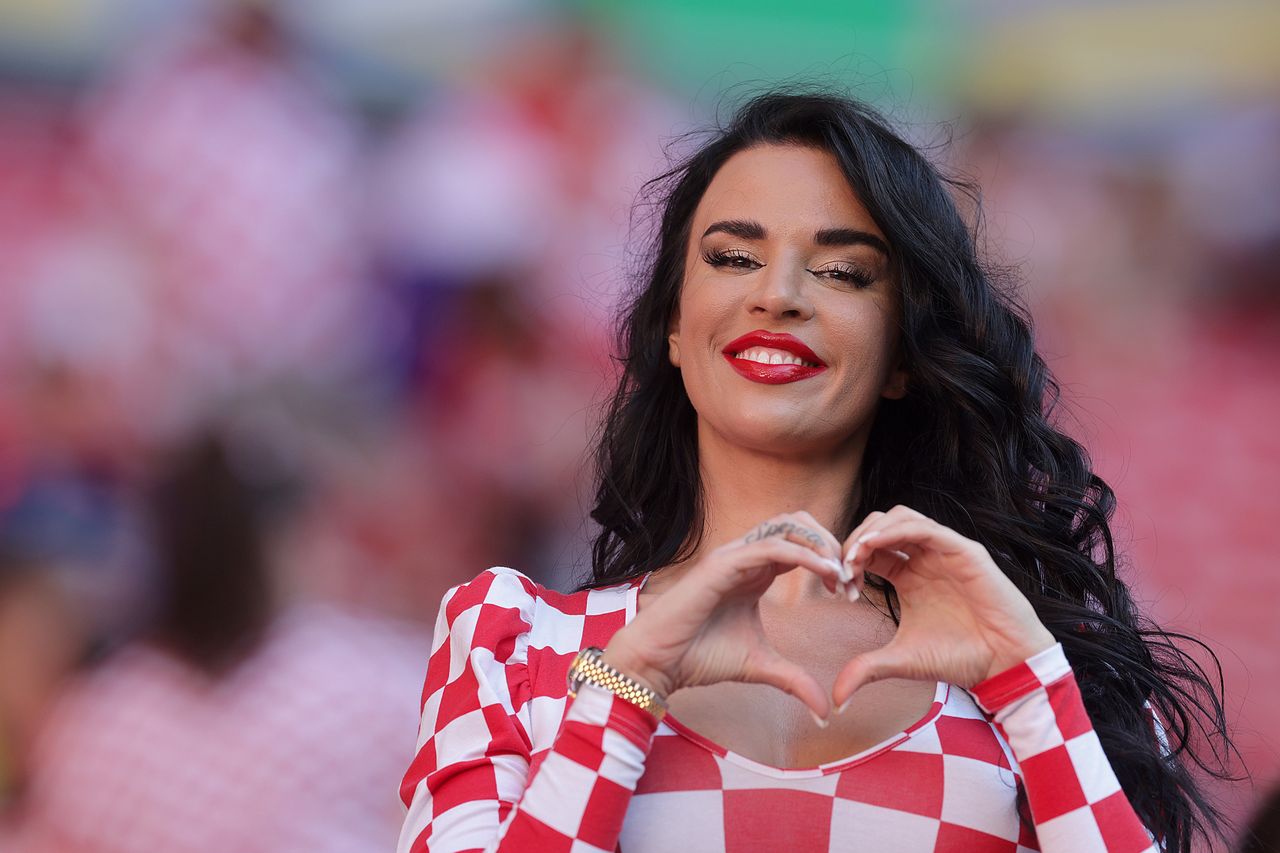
(784, 529)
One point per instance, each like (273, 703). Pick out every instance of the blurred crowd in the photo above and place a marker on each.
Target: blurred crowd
(278, 368)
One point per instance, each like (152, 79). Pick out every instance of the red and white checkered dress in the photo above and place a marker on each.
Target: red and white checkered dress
(505, 761)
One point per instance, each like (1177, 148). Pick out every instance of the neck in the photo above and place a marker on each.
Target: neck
(743, 487)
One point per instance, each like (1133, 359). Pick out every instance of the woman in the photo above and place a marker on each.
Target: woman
(826, 472)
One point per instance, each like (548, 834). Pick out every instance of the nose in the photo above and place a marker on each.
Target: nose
(780, 293)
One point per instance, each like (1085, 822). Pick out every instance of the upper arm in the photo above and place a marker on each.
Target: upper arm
(474, 749)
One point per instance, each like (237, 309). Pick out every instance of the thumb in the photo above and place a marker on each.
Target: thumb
(769, 667)
(862, 670)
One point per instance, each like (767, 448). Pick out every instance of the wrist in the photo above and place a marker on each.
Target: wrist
(618, 656)
(1007, 659)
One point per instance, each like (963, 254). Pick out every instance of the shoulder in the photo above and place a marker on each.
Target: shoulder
(502, 603)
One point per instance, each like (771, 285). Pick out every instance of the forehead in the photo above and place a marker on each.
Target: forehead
(789, 189)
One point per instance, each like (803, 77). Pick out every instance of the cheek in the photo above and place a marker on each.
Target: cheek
(704, 313)
(871, 338)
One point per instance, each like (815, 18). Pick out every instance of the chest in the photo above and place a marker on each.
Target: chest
(764, 724)
(775, 729)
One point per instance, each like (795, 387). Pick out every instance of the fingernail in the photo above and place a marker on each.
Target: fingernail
(870, 534)
(901, 555)
(852, 556)
(835, 565)
(851, 593)
(821, 723)
(844, 705)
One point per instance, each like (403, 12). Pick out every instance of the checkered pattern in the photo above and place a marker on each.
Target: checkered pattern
(1075, 797)
(296, 751)
(506, 761)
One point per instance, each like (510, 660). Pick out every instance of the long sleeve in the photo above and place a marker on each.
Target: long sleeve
(1076, 801)
(475, 783)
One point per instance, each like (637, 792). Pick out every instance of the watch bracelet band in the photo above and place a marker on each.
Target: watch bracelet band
(587, 667)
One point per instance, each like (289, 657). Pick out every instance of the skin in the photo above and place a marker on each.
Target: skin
(761, 606)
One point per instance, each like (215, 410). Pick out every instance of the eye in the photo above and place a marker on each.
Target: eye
(846, 274)
(731, 258)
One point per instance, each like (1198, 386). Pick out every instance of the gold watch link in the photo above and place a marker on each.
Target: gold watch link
(587, 667)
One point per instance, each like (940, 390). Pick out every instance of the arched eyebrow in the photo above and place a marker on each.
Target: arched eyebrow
(743, 229)
(850, 237)
(746, 229)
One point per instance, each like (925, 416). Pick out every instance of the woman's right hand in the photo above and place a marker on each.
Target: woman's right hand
(706, 628)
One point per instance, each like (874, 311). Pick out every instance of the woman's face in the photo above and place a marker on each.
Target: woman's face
(782, 257)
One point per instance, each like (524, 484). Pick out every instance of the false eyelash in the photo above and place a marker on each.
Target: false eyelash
(723, 257)
(857, 277)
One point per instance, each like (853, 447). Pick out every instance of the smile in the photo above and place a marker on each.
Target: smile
(772, 358)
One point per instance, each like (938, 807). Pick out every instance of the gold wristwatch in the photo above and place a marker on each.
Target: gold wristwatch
(587, 667)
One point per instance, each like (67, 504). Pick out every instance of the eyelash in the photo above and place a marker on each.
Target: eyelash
(726, 258)
(852, 275)
(845, 273)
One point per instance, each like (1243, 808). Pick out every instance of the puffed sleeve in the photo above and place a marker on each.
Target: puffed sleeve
(475, 783)
(1076, 801)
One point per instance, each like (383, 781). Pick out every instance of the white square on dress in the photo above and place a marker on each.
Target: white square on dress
(1097, 779)
(980, 796)
(925, 740)
(463, 739)
(1075, 830)
(859, 826)
(562, 634)
(559, 793)
(683, 821)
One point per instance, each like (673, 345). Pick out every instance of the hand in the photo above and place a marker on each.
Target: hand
(962, 619)
(706, 628)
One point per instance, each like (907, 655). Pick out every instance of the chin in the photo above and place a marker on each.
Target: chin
(785, 432)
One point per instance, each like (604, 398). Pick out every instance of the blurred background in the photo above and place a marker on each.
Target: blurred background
(304, 318)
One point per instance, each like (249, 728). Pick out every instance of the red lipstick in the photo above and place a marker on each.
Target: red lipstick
(773, 374)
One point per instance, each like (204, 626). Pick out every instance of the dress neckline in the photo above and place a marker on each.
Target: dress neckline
(941, 693)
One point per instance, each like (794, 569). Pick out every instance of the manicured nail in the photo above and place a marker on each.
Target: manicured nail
(901, 555)
(844, 705)
(835, 566)
(870, 534)
(821, 723)
(852, 557)
(851, 593)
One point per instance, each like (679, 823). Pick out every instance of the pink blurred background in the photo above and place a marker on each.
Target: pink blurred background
(376, 247)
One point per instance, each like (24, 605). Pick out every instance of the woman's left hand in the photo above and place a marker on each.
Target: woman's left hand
(962, 619)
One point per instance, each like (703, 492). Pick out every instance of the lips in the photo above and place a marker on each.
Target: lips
(779, 347)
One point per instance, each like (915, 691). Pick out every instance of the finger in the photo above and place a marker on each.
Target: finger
(876, 520)
(799, 527)
(913, 534)
(853, 572)
(849, 540)
(829, 538)
(769, 667)
(785, 555)
(862, 670)
(844, 586)
(801, 551)
(886, 563)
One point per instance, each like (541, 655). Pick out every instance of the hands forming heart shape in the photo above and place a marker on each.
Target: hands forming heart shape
(962, 619)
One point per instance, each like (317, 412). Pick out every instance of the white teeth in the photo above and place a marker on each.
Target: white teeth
(763, 355)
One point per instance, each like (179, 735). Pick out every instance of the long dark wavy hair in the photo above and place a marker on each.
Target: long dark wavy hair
(972, 445)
